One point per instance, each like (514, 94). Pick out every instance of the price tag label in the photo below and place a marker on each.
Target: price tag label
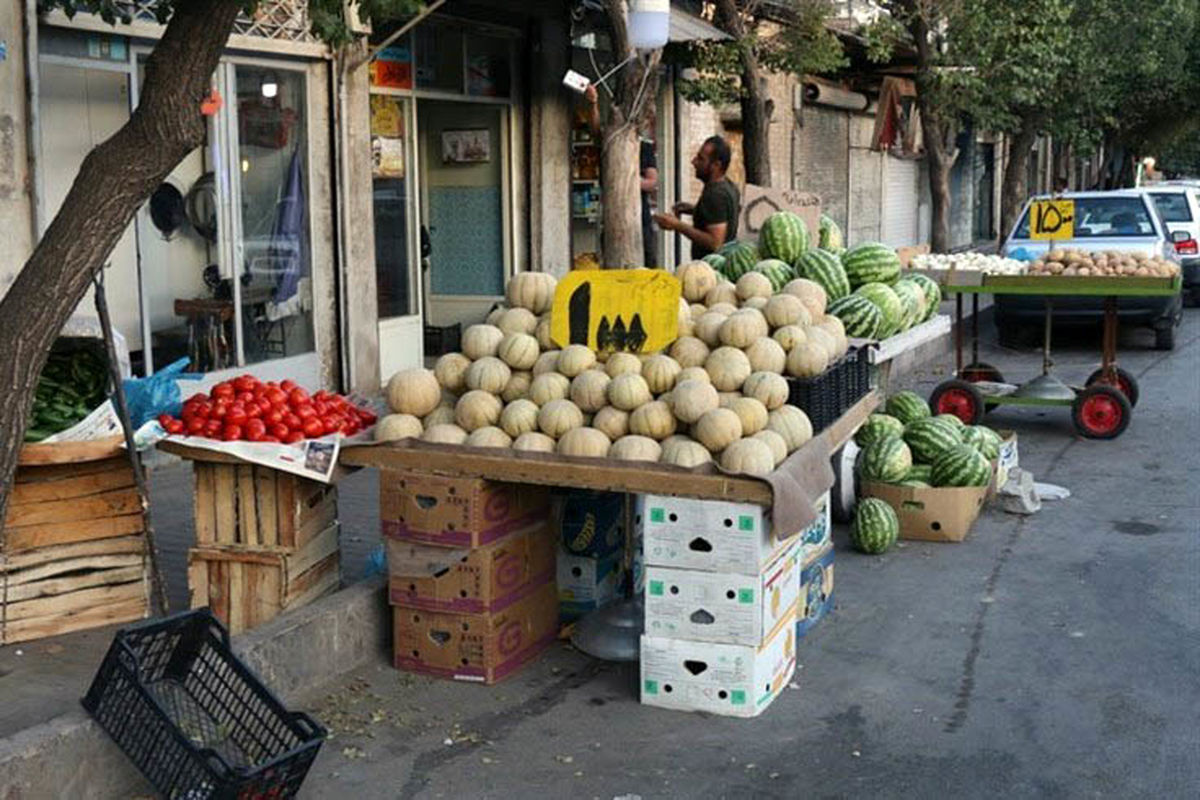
(1052, 219)
(634, 311)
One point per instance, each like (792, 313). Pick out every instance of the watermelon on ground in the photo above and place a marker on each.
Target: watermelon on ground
(740, 258)
(777, 272)
(912, 298)
(887, 460)
(890, 306)
(929, 438)
(860, 317)
(871, 262)
(983, 439)
(907, 406)
(876, 526)
(878, 426)
(830, 236)
(961, 465)
(920, 472)
(820, 266)
(783, 236)
(716, 261)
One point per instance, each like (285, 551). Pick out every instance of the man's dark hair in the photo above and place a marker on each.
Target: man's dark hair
(721, 150)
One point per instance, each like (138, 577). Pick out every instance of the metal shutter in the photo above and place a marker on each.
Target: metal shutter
(901, 202)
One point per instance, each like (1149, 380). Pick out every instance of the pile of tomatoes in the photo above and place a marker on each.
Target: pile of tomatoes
(246, 409)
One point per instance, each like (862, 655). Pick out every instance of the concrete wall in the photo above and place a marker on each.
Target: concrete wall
(16, 183)
(865, 203)
(361, 321)
(821, 143)
(549, 149)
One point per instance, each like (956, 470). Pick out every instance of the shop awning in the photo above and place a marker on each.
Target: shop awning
(687, 27)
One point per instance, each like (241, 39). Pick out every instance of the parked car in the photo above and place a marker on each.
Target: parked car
(1179, 204)
(1124, 220)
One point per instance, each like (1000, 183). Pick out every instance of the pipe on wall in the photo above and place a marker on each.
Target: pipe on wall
(825, 95)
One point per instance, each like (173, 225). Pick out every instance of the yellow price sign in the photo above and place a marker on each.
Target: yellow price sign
(1052, 219)
(635, 311)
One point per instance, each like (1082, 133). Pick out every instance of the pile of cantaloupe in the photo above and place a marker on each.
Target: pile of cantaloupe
(718, 393)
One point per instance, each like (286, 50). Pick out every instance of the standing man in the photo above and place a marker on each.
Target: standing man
(715, 214)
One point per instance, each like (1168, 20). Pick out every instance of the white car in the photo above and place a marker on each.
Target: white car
(1179, 204)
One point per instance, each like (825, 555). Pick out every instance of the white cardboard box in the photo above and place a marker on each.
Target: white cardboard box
(733, 680)
(707, 534)
(724, 607)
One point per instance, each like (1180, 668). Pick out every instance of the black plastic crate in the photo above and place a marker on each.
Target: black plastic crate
(442, 340)
(827, 396)
(194, 719)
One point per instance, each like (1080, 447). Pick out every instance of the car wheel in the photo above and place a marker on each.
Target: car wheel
(1164, 338)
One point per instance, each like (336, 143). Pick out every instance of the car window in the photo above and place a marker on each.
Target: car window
(1097, 217)
(1173, 206)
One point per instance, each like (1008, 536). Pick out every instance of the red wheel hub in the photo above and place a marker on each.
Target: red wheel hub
(957, 402)
(1101, 414)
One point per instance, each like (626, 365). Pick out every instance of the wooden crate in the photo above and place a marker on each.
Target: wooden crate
(255, 507)
(73, 554)
(245, 588)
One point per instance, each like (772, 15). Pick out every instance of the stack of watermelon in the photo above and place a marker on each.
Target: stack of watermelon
(908, 446)
(868, 294)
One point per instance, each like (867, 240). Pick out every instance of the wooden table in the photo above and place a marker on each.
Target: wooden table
(588, 473)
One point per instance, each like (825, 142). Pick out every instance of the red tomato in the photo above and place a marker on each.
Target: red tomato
(175, 426)
(321, 407)
(348, 428)
(313, 428)
(252, 410)
(219, 411)
(231, 432)
(264, 405)
(279, 430)
(293, 437)
(272, 416)
(278, 397)
(256, 429)
(293, 421)
(272, 439)
(297, 396)
(366, 416)
(195, 426)
(245, 397)
(245, 383)
(203, 409)
(236, 415)
(163, 418)
(198, 397)
(223, 390)
(212, 428)
(305, 411)
(330, 423)
(287, 385)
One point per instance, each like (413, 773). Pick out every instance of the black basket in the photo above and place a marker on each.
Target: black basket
(442, 340)
(827, 396)
(194, 719)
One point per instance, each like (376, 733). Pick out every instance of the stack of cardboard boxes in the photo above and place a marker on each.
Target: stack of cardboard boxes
(591, 565)
(726, 600)
(471, 567)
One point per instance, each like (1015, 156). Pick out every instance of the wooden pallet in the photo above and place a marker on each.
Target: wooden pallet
(74, 554)
(245, 588)
(255, 507)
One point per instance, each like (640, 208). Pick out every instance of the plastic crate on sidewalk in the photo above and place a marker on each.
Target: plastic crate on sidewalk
(826, 397)
(194, 719)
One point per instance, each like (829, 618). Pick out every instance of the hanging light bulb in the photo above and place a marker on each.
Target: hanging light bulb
(269, 87)
(649, 23)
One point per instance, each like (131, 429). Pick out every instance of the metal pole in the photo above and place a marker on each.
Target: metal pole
(958, 326)
(974, 328)
(1046, 363)
(1108, 353)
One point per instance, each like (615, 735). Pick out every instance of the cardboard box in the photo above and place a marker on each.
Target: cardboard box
(723, 606)
(586, 583)
(456, 512)
(816, 590)
(482, 648)
(933, 515)
(589, 523)
(470, 581)
(733, 680)
(816, 535)
(707, 535)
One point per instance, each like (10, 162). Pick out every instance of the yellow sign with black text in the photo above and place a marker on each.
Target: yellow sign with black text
(1052, 219)
(633, 311)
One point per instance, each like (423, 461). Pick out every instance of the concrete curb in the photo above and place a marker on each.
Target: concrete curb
(70, 756)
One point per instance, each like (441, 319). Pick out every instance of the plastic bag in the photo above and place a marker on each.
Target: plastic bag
(158, 394)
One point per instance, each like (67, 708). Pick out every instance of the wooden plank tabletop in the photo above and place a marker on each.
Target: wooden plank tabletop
(587, 473)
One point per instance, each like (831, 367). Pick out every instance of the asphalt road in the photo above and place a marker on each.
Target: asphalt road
(1053, 655)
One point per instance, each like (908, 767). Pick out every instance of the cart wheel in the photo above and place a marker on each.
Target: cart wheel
(1125, 382)
(960, 398)
(1101, 412)
(979, 371)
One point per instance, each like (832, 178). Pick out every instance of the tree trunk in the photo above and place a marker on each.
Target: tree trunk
(938, 135)
(756, 122)
(622, 200)
(115, 179)
(1015, 189)
(940, 240)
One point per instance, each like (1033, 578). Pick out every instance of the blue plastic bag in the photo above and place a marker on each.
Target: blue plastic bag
(158, 394)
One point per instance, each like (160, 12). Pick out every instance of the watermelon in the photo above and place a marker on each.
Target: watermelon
(878, 426)
(983, 439)
(890, 307)
(716, 261)
(887, 460)
(871, 262)
(915, 483)
(824, 268)
(933, 292)
(783, 236)
(859, 316)
(953, 421)
(875, 527)
(961, 465)
(740, 258)
(920, 472)
(912, 298)
(777, 272)
(907, 407)
(830, 236)
(929, 438)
